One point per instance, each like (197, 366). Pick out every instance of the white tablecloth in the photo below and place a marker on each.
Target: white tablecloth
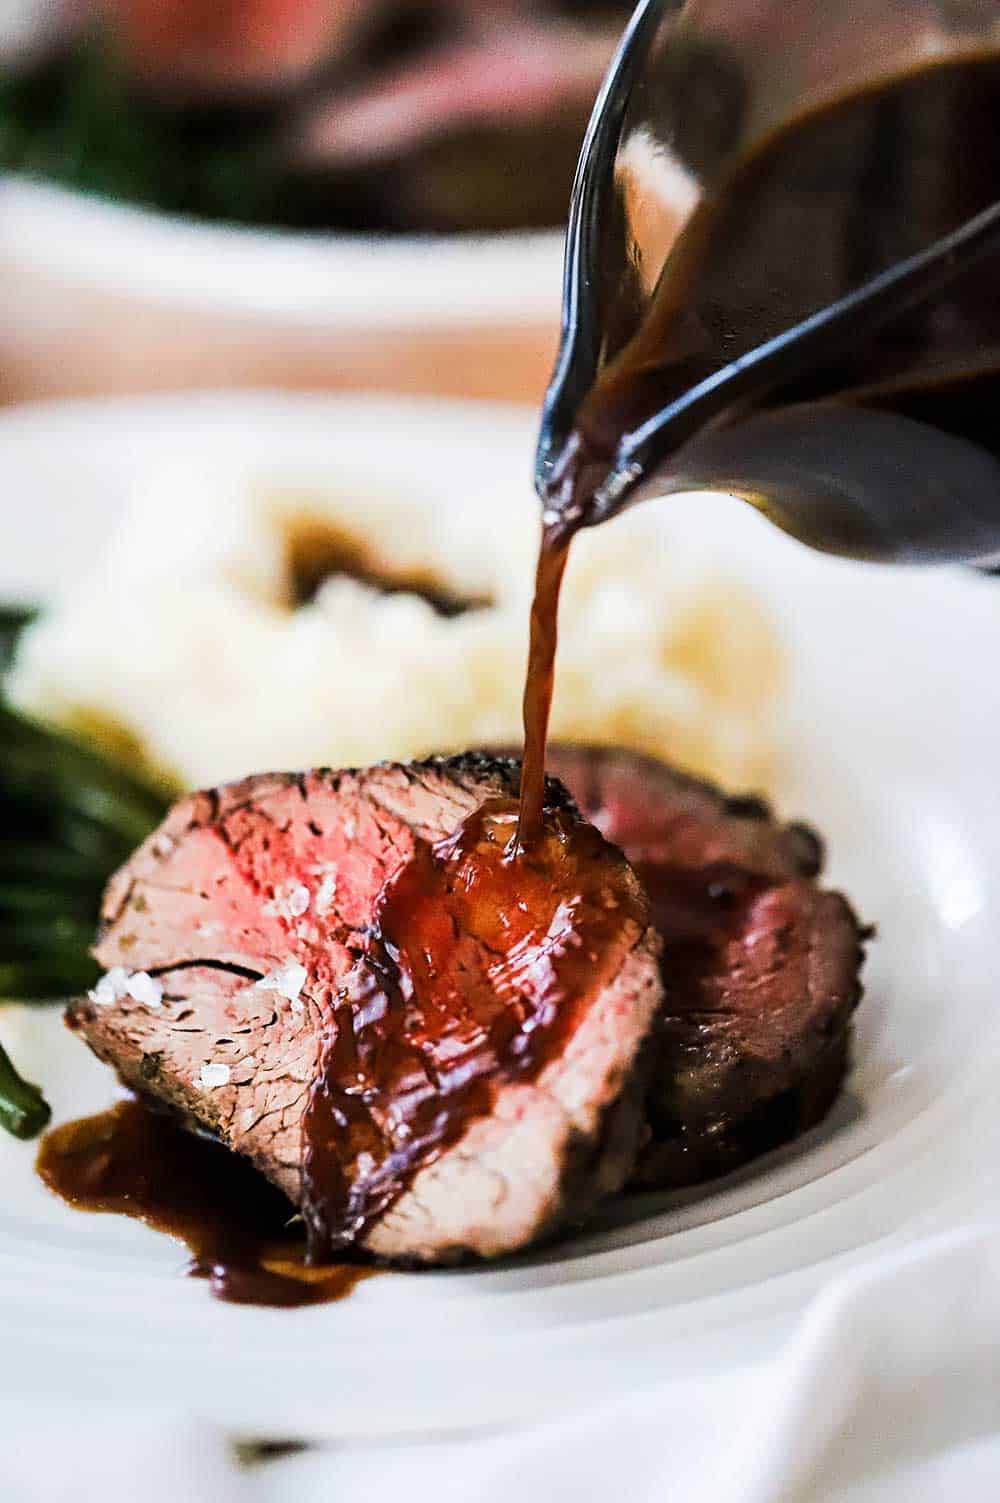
(887, 1392)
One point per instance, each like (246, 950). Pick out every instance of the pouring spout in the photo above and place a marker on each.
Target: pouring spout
(821, 249)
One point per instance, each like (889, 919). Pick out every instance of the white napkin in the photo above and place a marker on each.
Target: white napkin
(887, 1392)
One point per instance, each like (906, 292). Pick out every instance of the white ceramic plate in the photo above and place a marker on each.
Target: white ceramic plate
(343, 282)
(893, 718)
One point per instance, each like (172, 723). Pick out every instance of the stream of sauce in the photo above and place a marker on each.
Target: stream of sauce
(729, 289)
(553, 555)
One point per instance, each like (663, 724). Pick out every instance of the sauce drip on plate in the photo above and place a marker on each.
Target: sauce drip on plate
(240, 1230)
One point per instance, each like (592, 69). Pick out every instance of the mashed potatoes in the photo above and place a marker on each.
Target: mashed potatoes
(233, 629)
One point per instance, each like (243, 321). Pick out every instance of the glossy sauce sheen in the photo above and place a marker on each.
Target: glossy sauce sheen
(474, 973)
(240, 1230)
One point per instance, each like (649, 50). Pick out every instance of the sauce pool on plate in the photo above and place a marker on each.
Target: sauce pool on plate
(242, 1233)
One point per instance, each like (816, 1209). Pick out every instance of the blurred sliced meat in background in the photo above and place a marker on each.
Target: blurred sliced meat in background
(379, 114)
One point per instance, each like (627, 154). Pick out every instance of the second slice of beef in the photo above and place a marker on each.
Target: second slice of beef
(252, 908)
(760, 964)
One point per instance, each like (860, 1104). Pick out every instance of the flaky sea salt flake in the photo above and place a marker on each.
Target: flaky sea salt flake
(288, 980)
(113, 985)
(146, 989)
(325, 893)
(290, 901)
(214, 1075)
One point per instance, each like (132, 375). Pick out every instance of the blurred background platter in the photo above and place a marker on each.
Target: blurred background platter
(885, 726)
(105, 297)
(307, 193)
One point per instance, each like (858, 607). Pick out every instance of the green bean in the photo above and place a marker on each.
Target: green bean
(39, 780)
(23, 1109)
(37, 899)
(69, 817)
(47, 979)
(31, 935)
(44, 861)
(13, 620)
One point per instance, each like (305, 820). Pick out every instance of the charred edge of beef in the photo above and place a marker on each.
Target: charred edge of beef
(678, 1154)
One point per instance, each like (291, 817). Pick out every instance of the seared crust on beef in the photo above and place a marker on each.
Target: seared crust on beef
(209, 906)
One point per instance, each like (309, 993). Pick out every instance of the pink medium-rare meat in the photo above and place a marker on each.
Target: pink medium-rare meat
(232, 943)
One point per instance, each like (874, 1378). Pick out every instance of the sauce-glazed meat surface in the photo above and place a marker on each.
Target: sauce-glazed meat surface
(429, 1047)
